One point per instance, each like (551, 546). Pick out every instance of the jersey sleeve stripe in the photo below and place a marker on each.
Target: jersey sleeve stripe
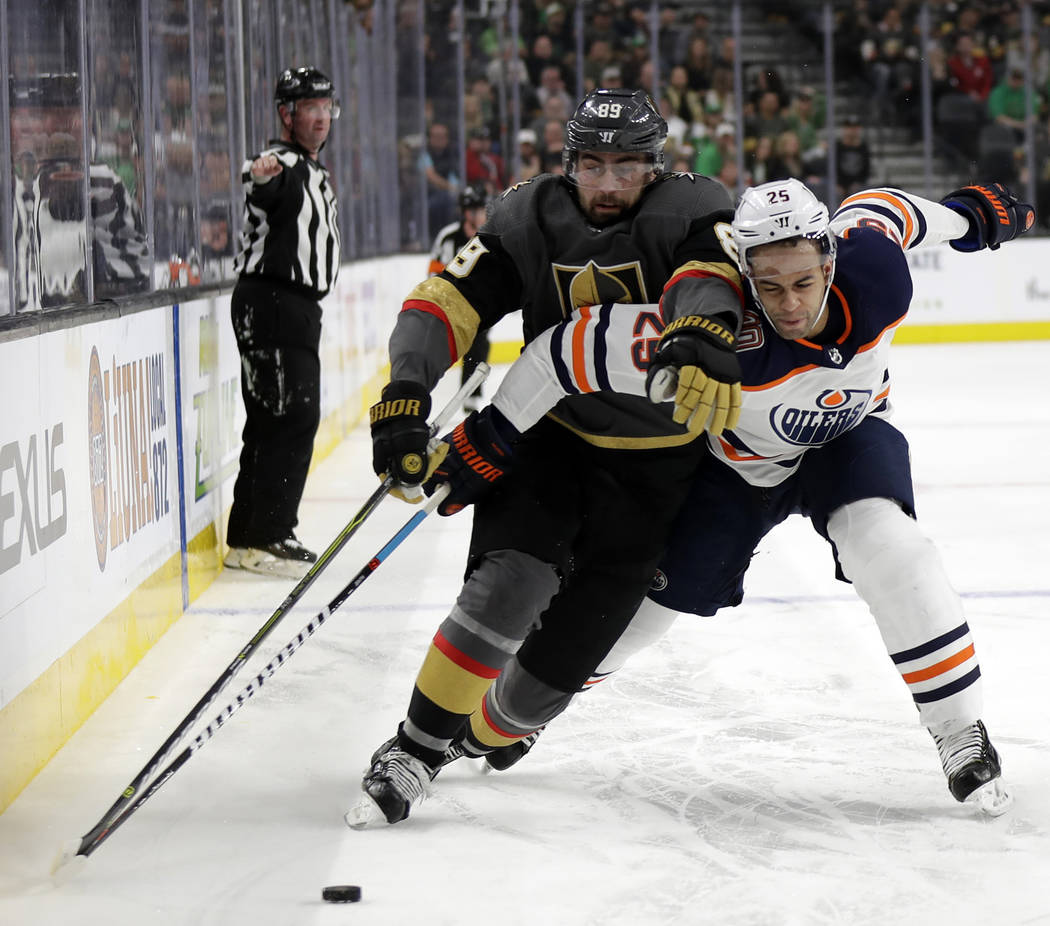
(453, 308)
(579, 349)
(601, 358)
(914, 224)
(421, 305)
(697, 269)
(561, 368)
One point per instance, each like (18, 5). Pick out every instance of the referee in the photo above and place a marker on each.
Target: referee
(288, 260)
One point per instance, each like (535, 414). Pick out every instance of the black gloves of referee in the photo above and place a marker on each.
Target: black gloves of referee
(994, 213)
(702, 352)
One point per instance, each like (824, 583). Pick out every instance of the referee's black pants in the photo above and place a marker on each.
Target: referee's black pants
(278, 331)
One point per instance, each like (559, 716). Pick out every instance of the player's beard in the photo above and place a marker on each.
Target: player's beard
(599, 216)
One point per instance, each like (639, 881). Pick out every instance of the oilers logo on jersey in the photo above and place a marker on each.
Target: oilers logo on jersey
(837, 410)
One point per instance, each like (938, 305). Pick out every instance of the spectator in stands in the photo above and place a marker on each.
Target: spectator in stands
(553, 110)
(698, 64)
(601, 26)
(805, 117)
(787, 158)
(670, 33)
(599, 56)
(715, 150)
(556, 24)
(678, 133)
(612, 78)
(760, 159)
(552, 86)
(768, 119)
(1007, 103)
(484, 168)
(684, 101)
(852, 158)
(540, 56)
(529, 155)
(729, 176)
(553, 140)
(440, 166)
(970, 69)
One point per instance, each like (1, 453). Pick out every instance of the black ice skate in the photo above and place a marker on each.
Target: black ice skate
(499, 760)
(395, 783)
(973, 769)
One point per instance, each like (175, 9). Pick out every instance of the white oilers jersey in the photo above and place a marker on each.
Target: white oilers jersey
(796, 394)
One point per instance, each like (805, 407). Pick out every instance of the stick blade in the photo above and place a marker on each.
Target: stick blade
(67, 863)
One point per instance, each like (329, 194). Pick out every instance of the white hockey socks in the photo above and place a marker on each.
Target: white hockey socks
(898, 573)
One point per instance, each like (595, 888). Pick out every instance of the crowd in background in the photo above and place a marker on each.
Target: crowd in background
(161, 115)
(976, 70)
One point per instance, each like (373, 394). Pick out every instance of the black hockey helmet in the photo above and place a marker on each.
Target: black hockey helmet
(304, 84)
(473, 197)
(615, 120)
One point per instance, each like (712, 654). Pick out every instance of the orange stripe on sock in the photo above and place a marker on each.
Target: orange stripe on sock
(940, 668)
(462, 660)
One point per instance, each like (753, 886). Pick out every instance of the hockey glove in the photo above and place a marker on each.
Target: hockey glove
(994, 213)
(400, 435)
(479, 455)
(702, 352)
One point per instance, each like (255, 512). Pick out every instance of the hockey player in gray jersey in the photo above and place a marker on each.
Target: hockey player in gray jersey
(568, 533)
(813, 435)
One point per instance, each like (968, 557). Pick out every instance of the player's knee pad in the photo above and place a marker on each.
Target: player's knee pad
(506, 594)
(886, 556)
(650, 622)
(897, 570)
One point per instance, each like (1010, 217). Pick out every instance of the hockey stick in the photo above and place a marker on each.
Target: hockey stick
(87, 846)
(189, 721)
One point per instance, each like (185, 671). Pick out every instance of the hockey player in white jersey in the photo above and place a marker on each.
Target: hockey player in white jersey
(813, 435)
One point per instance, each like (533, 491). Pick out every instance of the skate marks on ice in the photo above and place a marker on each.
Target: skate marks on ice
(738, 802)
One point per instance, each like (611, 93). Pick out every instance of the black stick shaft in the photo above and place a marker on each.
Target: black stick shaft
(131, 792)
(112, 825)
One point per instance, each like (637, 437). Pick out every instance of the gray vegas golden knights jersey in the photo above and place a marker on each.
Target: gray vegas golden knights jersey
(537, 253)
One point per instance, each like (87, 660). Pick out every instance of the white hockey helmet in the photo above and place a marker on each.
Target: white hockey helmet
(778, 211)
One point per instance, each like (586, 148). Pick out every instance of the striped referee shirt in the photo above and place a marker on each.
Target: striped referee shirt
(291, 233)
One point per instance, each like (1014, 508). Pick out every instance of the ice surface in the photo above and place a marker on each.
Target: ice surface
(761, 768)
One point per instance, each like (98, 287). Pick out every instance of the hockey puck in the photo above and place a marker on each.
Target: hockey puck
(341, 893)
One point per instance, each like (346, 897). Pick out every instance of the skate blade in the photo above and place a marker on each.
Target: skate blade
(992, 798)
(364, 814)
